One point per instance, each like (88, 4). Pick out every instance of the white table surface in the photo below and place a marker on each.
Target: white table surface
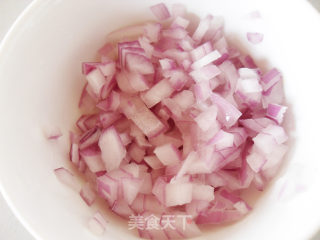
(10, 227)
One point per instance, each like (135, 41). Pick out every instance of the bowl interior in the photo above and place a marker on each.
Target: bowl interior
(40, 75)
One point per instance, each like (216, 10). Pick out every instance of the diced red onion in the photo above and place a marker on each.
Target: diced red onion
(276, 112)
(184, 196)
(176, 123)
(175, 33)
(122, 208)
(158, 92)
(89, 138)
(135, 110)
(125, 138)
(207, 118)
(112, 149)
(107, 68)
(136, 153)
(256, 161)
(202, 192)
(96, 80)
(97, 224)
(52, 133)
(153, 162)
(205, 60)
(229, 113)
(205, 73)
(88, 194)
(201, 51)
(160, 11)
(74, 154)
(138, 63)
(270, 79)
(92, 158)
(168, 154)
(140, 138)
(254, 37)
(130, 188)
(180, 22)
(107, 188)
(202, 28)
(67, 178)
(152, 31)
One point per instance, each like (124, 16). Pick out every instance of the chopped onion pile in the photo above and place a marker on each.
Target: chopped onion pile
(177, 121)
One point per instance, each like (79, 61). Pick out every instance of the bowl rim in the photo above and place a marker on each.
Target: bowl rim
(10, 34)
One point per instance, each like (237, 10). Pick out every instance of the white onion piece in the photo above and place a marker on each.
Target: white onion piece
(133, 169)
(270, 79)
(180, 22)
(97, 224)
(167, 64)
(159, 188)
(207, 118)
(96, 80)
(231, 74)
(125, 138)
(201, 51)
(112, 149)
(74, 154)
(107, 68)
(254, 37)
(228, 114)
(205, 73)
(136, 153)
(222, 140)
(170, 138)
(52, 132)
(202, 28)
(276, 132)
(130, 188)
(89, 138)
(184, 196)
(202, 192)
(158, 92)
(160, 11)
(153, 162)
(276, 112)
(107, 188)
(205, 60)
(175, 33)
(111, 103)
(122, 208)
(195, 207)
(146, 187)
(152, 31)
(135, 110)
(184, 99)
(168, 154)
(92, 158)
(152, 204)
(88, 194)
(139, 64)
(139, 137)
(67, 178)
(256, 161)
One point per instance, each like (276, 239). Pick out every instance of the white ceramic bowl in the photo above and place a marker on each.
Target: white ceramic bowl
(40, 81)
